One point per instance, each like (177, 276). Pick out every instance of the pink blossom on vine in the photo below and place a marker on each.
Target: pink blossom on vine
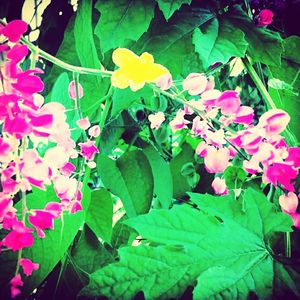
(156, 119)
(202, 149)
(67, 169)
(265, 17)
(94, 131)
(209, 98)
(199, 127)
(179, 121)
(56, 157)
(280, 173)
(28, 266)
(165, 82)
(229, 102)
(72, 90)
(216, 160)
(244, 115)
(17, 53)
(41, 219)
(195, 83)
(14, 29)
(274, 121)
(15, 283)
(88, 149)
(20, 237)
(219, 186)
(27, 83)
(294, 156)
(6, 206)
(83, 123)
(5, 148)
(289, 202)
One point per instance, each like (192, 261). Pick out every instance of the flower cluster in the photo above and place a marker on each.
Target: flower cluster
(26, 123)
(215, 117)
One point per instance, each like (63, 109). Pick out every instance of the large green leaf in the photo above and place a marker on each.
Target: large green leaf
(130, 178)
(171, 42)
(163, 181)
(168, 7)
(218, 41)
(122, 21)
(264, 45)
(194, 243)
(180, 184)
(288, 72)
(99, 214)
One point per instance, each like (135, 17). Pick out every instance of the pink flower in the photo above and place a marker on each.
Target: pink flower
(88, 149)
(229, 102)
(17, 53)
(6, 206)
(209, 97)
(15, 283)
(14, 29)
(72, 90)
(265, 17)
(20, 237)
(28, 266)
(219, 186)
(56, 157)
(289, 203)
(202, 149)
(94, 131)
(65, 187)
(294, 156)
(280, 173)
(156, 119)
(17, 126)
(274, 121)
(244, 115)
(199, 127)
(179, 121)
(83, 123)
(5, 149)
(165, 82)
(28, 83)
(195, 83)
(41, 219)
(216, 160)
(67, 169)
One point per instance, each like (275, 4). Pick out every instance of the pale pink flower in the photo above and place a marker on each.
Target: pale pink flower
(56, 157)
(195, 83)
(216, 160)
(72, 90)
(94, 131)
(219, 186)
(202, 149)
(179, 121)
(165, 82)
(28, 266)
(209, 97)
(244, 115)
(289, 202)
(156, 119)
(199, 127)
(83, 123)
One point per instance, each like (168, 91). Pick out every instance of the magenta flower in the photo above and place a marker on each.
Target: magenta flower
(229, 102)
(28, 83)
(6, 206)
(28, 266)
(15, 283)
(88, 149)
(14, 29)
(265, 18)
(41, 219)
(294, 156)
(17, 53)
(244, 115)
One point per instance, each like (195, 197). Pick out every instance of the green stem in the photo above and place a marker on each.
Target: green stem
(259, 84)
(288, 245)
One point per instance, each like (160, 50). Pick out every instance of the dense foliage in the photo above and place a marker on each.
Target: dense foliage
(150, 150)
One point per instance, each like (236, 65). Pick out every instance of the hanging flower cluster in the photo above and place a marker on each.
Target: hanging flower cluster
(26, 122)
(216, 116)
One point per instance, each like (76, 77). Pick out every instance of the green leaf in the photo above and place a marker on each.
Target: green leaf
(99, 214)
(168, 7)
(180, 184)
(122, 21)
(218, 41)
(163, 182)
(234, 177)
(195, 241)
(288, 72)
(253, 211)
(264, 45)
(169, 40)
(124, 98)
(130, 178)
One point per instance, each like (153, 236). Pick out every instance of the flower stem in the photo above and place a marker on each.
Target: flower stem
(288, 246)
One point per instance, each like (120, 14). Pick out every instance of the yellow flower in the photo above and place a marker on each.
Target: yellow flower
(134, 70)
